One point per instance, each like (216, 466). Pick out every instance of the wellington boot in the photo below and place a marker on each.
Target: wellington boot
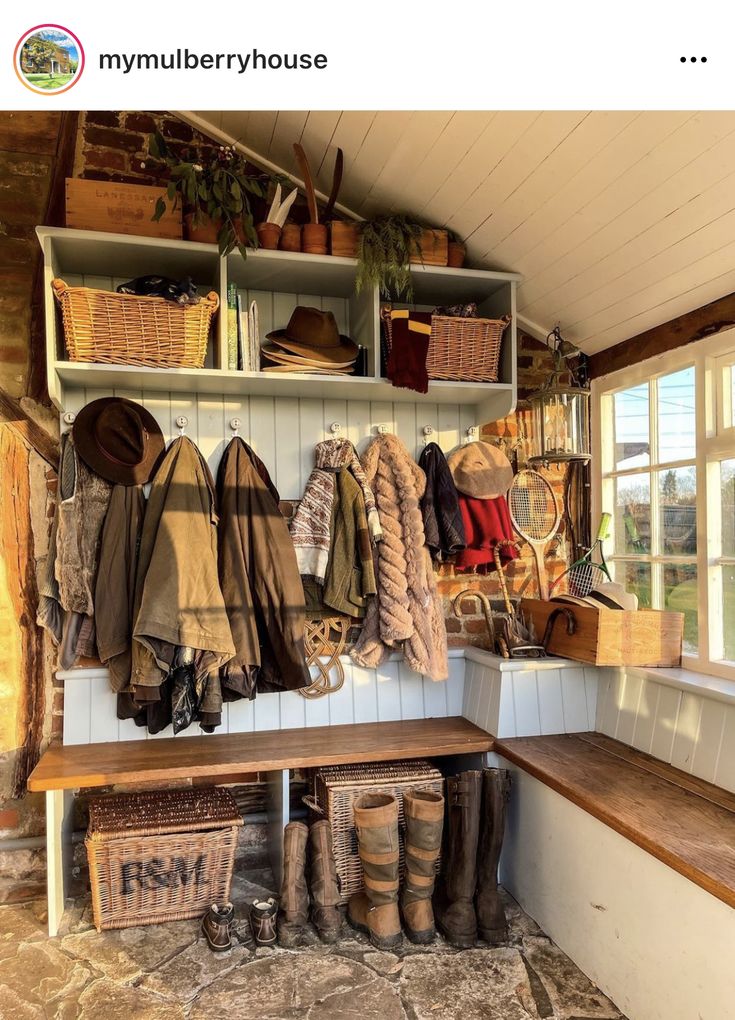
(424, 814)
(293, 915)
(324, 885)
(454, 905)
(491, 919)
(375, 910)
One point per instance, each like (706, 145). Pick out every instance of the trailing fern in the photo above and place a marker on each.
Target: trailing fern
(386, 244)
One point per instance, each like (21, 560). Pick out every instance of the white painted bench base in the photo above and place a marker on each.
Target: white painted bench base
(657, 944)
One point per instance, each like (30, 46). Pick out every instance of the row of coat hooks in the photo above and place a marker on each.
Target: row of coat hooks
(182, 422)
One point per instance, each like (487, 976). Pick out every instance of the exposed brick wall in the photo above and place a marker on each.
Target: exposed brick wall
(534, 365)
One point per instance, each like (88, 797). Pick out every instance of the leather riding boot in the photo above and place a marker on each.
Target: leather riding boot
(324, 885)
(424, 814)
(491, 918)
(375, 910)
(454, 900)
(293, 915)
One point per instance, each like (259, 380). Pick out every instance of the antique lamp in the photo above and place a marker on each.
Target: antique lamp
(561, 425)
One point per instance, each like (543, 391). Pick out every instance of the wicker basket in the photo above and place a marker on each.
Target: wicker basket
(463, 350)
(122, 329)
(337, 787)
(162, 856)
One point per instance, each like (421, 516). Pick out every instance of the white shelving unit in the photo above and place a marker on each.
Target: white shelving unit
(278, 281)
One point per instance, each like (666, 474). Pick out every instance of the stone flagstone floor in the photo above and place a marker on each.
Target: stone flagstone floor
(166, 972)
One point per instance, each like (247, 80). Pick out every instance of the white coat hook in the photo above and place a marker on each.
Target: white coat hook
(235, 426)
(181, 422)
(69, 417)
(428, 432)
(383, 430)
(473, 433)
(335, 428)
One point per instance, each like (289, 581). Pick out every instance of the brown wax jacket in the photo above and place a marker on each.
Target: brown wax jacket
(260, 581)
(350, 579)
(178, 599)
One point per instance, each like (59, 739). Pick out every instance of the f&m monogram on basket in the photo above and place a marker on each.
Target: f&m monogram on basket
(161, 873)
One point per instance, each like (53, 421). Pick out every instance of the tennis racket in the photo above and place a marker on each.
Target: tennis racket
(535, 516)
(584, 575)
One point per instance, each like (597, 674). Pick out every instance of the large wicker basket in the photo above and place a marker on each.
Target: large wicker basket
(463, 350)
(123, 329)
(337, 787)
(160, 856)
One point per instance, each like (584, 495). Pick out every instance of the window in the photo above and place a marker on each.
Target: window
(665, 438)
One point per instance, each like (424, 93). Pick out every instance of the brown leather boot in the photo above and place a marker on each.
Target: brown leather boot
(491, 918)
(217, 924)
(454, 906)
(424, 814)
(375, 910)
(324, 885)
(293, 915)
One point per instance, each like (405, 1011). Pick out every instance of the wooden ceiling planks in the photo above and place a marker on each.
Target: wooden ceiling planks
(616, 220)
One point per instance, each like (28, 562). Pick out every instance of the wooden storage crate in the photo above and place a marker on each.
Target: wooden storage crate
(160, 856)
(611, 637)
(119, 209)
(337, 787)
(432, 249)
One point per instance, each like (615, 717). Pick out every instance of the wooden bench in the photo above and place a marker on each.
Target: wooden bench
(652, 942)
(63, 769)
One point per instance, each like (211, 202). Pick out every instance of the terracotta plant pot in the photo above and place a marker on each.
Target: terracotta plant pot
(456, 255)
(344, 239)
(206, 230)
(432, 249)
(291, 237)
(314, 238)
(269, 234)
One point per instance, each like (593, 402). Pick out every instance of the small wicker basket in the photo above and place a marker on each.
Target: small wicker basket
(462, 350)
(123, 329)
(337, 787)
(160, 856)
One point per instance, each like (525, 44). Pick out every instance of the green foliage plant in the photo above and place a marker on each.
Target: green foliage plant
(384, 254)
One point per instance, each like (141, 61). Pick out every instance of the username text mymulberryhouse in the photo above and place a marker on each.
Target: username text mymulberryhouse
(188, 60)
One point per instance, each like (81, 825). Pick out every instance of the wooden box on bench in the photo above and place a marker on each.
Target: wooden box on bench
(612, 637)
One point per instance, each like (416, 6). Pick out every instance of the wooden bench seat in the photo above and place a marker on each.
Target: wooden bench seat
(683, 821)
(138, 761)
(63, 769)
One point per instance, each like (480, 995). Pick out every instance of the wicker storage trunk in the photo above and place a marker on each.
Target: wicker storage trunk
(337, 787)
(157, 857)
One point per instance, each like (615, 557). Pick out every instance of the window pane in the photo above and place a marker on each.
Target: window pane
(727, 487)
(635, 578)
(633, 514)
(631, 428)
(728, 609)
(676, 424)
(677, 495)
(680, 594)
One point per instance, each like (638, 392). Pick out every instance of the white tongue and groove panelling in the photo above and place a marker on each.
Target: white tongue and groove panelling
(692, 729)
(530, 699)
(283, 431)
(390, 693)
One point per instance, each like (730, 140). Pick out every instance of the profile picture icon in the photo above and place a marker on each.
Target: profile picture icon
(49, 59)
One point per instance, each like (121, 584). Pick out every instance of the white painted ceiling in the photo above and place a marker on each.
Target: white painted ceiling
(618, 221)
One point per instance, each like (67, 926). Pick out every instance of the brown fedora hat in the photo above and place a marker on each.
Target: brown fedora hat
(314, 334)
(119, 440)
(480, 470)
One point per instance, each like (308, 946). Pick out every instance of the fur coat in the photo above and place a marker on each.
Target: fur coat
(407, 612)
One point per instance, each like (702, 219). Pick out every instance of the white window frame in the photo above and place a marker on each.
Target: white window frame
(715, 441)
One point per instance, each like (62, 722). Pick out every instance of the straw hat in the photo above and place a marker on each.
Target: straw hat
(480, 470)
(119, 440)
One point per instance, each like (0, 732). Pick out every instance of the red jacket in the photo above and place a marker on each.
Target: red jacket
(486, 522)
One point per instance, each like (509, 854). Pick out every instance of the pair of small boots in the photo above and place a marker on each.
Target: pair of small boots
(375, 910)
(467, 899)
(295, 908)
